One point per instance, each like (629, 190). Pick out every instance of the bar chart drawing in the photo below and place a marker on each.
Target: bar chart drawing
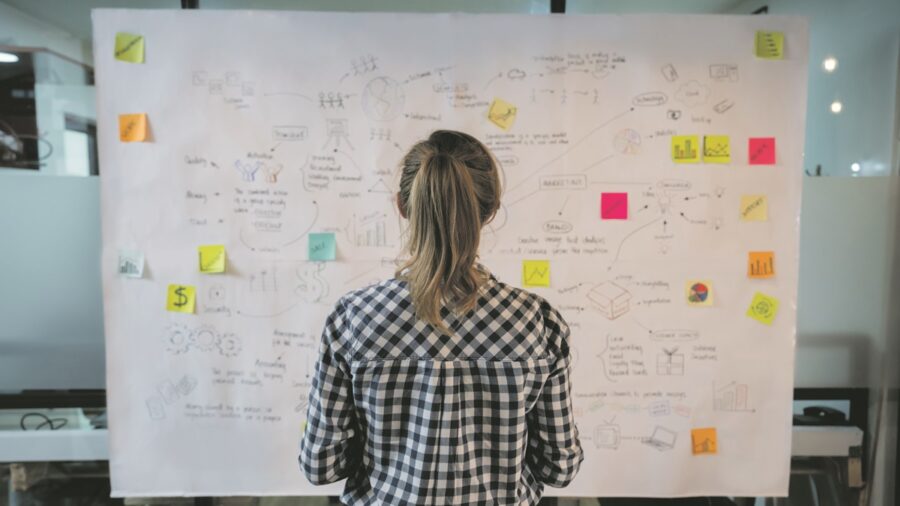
(761, 264)
(686, 151)
(733, 397)
(369, 232)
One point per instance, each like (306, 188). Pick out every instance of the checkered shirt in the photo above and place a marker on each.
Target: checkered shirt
(411, 416)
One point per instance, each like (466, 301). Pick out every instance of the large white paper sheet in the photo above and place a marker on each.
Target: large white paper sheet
(265, 127)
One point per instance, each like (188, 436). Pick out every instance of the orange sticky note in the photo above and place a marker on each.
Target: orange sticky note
(133, 127)
(761, 264)
(703, 441)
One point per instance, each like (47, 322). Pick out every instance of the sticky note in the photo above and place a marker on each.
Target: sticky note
(321, 247)
(304, 426)
(613, 206)
(761, 264)
(763, 308)
(212, 258)
(716, 149)
(502, 114)
(685, 149)
(133, 127)
(761, 151)
(131, 264)
(703, 441)
(129, 47)
(181, 299)
(536, 273)
(754, 208)
(769, 45)
(698, 293)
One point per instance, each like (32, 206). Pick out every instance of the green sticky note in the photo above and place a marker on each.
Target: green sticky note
(769, 45)
(212, 258)
(129, 47)
(763, 308)
(322, 247)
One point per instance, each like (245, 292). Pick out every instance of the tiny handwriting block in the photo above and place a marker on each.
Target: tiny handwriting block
(769, 45)
(129, 47)
(761, 264)
(321, 247)
(502, 114)
(613, 206)
(703, 441)
(212, 258)
(754, 208)
(133, 127)
(685, 148)
(716, 149)
(181, 299)
(761, 151)
(131, 264)
(698, 293)
(763, 308)
(536, 273)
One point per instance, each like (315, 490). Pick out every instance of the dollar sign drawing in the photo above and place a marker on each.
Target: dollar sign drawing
(182, 298)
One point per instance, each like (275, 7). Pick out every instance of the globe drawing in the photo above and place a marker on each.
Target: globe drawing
(382, 99)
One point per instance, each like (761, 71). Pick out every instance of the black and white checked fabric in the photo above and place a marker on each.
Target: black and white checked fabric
(411, 416)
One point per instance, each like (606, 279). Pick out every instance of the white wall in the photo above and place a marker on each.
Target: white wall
(20, 29)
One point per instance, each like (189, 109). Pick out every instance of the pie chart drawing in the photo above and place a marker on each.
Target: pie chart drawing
(627, 142)
(382, 99)
(698, 293)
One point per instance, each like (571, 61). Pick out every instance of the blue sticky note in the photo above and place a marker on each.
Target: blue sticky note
(322, 247)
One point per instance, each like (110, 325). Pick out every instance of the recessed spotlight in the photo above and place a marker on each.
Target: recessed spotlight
(837, 106)
(855, 167)
(830, 64)
(8, 57)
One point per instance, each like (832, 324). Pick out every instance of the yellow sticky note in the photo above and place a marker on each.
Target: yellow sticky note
(703, 441)
(761, 264)
(212, 258)
(754, 208)
(502, 114)
(716, 149)
(129, 47)
(769, 45)
(763, 308)
(304, 426)
(698, 293)
(181, 299)
(685, 149)
(133, 127)
(536, 273)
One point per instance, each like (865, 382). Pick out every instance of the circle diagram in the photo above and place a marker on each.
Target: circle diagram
(382, 99)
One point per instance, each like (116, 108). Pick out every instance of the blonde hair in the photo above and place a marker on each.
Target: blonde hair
(449, 189)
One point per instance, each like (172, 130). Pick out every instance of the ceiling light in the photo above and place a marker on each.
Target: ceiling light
(8, 57)
(854, 167)
(829, 64)
(837, 106)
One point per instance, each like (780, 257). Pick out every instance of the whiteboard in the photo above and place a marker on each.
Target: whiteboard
(265, 127)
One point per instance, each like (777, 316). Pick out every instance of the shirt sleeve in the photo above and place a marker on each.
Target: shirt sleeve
(554, 451)
(330, 448)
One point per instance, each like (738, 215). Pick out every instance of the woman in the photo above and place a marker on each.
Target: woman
(443, 385)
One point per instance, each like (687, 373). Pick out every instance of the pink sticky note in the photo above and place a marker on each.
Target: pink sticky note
(613, 206)
(762, 151)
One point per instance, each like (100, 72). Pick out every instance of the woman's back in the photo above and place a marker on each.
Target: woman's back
(443, 385)
(413, 415)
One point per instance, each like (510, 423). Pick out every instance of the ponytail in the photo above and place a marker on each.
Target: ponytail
(449, 188)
